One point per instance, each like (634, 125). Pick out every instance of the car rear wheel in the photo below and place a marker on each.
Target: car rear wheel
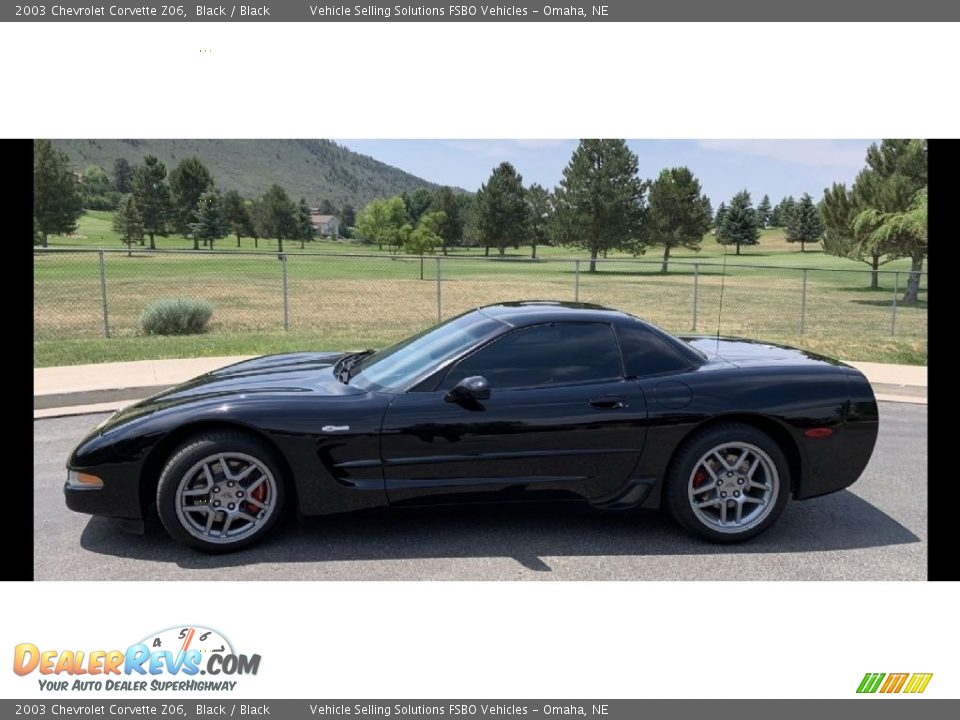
(728, 484)
(221, 491)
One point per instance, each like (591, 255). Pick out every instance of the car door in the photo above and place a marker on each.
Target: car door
(560, 423)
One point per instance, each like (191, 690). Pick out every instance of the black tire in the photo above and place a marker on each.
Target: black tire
(680, 479)
(237, 446)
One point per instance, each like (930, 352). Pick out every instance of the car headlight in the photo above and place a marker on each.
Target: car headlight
(83, 481)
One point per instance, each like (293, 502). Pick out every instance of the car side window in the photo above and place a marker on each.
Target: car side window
(550, 354)
(646, 353)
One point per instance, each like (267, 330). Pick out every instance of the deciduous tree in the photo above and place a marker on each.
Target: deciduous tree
(416, 203)
(97, 191)
(384, 222)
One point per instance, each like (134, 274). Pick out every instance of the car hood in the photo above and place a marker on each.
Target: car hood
(283, 374)
(751, 353)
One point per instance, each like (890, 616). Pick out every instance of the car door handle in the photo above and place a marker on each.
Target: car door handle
(608, 402)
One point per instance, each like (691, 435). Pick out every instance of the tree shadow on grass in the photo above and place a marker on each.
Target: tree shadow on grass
(526, 534)
(888, 303)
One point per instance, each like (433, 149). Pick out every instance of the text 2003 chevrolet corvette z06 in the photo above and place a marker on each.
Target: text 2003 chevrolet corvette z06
(525, 401)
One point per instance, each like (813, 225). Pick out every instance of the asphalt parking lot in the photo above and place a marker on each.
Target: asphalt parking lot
(877, 530)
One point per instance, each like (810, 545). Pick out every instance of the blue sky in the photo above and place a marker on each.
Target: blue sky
(724, 167)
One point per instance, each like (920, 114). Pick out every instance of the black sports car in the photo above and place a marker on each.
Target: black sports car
(524, 401)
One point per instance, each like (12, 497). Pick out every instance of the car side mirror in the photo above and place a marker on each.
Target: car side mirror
(472, 388)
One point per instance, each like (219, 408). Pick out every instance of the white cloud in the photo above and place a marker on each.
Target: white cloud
(813, 153)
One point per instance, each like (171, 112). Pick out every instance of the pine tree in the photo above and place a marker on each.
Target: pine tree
(804, 224)
(503, 209)
(600, 200)
(208, 224)
(189, 180)
(152, 196)
(718, 220)
(127, 222)
(277, 215)
(892, 189)
(450, 230)
(122, 176)
(788, 207)
(739, 224)
(348, 219)
(235, 214)
(57, 202)
(540, 217)
(895, 172)
(764, 212)
(679, 213)
(304, 226)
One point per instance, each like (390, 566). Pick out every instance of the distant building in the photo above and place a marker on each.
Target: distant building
(324, 224)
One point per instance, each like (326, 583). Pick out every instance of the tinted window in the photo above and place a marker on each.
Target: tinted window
(646, 353)
(558, 353)
(401, 364)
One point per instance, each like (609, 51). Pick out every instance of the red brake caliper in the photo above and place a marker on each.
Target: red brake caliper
(697, 479)
(260, 495)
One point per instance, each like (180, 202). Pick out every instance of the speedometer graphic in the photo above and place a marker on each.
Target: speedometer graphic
(183, 639)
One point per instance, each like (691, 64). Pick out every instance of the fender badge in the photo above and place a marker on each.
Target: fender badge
(334, 428)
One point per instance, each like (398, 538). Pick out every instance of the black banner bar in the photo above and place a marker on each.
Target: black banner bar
(519, 11)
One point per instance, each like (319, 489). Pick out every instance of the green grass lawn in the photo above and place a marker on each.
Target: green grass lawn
(345, 302)
(95, 232)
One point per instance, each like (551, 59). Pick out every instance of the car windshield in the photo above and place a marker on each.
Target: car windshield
(400, 365)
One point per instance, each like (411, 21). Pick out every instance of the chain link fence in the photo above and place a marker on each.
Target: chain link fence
(354, 300)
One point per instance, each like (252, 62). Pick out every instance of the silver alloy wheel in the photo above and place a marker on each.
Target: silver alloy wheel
(226, 497)
(733, 487)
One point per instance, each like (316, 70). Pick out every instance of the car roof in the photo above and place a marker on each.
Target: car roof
(528, 312)
(521, 313)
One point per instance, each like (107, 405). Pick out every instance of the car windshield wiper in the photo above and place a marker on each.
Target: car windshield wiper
(342, 369)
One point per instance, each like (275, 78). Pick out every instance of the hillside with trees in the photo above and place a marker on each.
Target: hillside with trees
(317, 169)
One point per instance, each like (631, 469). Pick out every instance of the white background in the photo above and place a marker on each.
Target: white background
(485, 80)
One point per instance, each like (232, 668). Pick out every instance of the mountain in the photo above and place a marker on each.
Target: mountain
(315, 169)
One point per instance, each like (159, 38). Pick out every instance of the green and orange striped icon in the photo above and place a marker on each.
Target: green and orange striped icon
(894, 682)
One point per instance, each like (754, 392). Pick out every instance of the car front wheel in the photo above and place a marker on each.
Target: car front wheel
(221, 491)
(728, 483)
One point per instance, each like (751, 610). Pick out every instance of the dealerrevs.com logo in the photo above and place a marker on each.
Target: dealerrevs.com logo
(890, 683)
(169, 660)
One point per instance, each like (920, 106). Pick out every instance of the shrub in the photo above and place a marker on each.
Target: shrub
(176, 316)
